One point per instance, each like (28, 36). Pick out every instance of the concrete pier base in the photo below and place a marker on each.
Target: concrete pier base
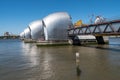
(74, 40)
(100, 39)
(52, 43)
(29, 41)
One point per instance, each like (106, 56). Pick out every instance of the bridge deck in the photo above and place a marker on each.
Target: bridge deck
(102, 29)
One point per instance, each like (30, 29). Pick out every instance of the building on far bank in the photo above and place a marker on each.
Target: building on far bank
(6, 34)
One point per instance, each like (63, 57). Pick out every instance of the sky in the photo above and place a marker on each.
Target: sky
(16, 15)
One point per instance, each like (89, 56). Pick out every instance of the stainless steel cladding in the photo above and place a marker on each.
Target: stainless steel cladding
(22, 35)
(27, 33)
(55, 26)
(37, 30)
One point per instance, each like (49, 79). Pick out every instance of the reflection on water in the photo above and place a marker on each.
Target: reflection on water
(30, 53)
(24, 61)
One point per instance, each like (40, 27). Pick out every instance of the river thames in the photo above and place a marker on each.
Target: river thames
(26, 61)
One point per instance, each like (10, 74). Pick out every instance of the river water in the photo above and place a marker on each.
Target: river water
(25, 61)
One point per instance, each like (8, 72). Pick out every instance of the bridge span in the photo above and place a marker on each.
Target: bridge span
(110, 28)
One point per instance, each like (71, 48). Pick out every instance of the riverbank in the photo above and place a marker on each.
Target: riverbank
(9, 37)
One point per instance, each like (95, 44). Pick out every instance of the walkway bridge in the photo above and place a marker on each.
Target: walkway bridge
(111, 28)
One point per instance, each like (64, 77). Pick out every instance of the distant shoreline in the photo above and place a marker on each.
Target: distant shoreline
(9, 37)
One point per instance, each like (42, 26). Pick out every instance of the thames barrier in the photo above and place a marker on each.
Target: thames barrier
(53, 48)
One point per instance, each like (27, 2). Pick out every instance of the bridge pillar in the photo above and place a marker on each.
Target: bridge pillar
(100, 39)
(75, 40)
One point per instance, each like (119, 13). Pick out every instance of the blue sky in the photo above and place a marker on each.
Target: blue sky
(15, 15)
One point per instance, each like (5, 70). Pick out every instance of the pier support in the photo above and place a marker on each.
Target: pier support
(100, 39)
(75, 40)
(78, 64)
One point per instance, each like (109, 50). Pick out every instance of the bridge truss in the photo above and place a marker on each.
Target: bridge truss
(102, 29)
